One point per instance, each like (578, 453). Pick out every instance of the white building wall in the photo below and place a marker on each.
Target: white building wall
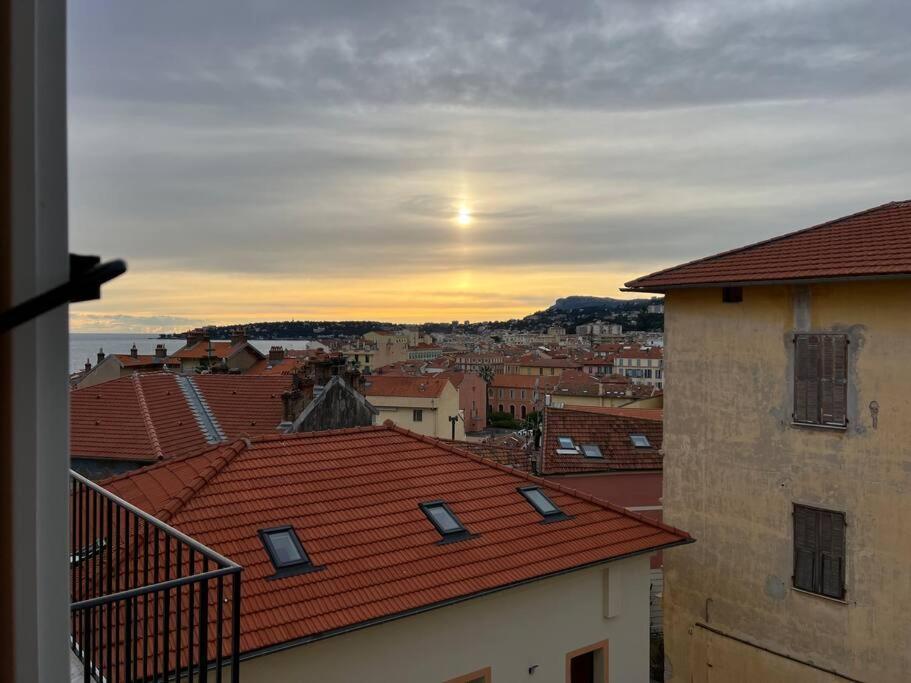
(511, 631)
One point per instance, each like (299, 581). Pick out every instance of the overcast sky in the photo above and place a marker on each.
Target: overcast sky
(276, 159)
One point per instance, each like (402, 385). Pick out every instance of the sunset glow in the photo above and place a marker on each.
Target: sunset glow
(464, 216)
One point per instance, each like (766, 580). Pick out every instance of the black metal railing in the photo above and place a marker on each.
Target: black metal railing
(148, 603)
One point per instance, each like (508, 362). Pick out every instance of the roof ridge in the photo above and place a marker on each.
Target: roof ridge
(198, 405)
(179, 499)
(146, 416)
(582, 411)
(544, 482)
(631, 285)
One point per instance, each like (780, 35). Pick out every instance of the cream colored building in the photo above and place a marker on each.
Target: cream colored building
(520, 635)
(787, 424)
(422, 404)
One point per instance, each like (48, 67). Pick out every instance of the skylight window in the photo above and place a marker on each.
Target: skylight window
(640, 440)
(591, 450)
(565, 442)
(445, 521)
(286, 552)
(542, 504)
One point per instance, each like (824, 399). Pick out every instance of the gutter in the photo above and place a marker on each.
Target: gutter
(272, 649)
(661, 289)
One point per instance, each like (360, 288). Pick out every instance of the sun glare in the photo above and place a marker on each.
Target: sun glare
(464, 216)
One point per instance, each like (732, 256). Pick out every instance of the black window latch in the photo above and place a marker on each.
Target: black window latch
(87, 274)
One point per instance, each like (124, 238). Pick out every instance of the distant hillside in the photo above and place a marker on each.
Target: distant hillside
(566, 312)
(604, 302)
(571, 311)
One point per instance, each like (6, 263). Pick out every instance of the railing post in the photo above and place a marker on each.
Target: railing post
(235, 628)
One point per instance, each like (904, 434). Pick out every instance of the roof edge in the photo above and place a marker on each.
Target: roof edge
(631, 285)
(297, 642)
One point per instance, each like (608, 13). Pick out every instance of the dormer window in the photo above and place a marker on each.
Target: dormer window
(542, 504)
(447, 524)
(286, 552)
(640, 440)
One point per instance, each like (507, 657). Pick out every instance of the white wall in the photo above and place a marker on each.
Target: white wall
(509, 631)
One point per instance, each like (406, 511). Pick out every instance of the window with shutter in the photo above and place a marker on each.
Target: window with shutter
(820, 379)
(819, 551)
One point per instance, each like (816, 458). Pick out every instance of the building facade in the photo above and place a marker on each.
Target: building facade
(790, 467)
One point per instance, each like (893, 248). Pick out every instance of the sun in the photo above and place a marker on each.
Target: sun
(464, 216)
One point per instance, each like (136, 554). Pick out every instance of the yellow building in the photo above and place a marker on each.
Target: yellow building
(422, 404)
(787, 424)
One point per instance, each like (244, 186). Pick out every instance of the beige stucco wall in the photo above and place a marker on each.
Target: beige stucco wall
(435, 417)
(510, 631)
(734, 465)
(106, 370)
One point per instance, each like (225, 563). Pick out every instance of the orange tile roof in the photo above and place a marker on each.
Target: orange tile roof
(644, 413)
(220, 349)
(611, 433)
(285, 366)
(874, 242)
(129, 361)
(544, 383)
(148, 416)
(510, 456)
(352, 497)
(403, 386)
(639, 352)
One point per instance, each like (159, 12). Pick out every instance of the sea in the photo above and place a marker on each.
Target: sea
(86, 345)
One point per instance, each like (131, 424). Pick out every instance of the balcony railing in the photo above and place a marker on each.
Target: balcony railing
(148, 603)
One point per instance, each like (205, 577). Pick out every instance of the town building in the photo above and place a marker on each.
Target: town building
(425, 404)
(379, 554)
(474, 362)
(641, 364)
(116, 365)
(472, 398)
(202, 353)
(786, 429)
(599, 329)
(539, 363)
(424, 351)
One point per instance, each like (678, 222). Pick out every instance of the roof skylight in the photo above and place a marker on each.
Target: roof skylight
(640, 440)
(286, 552)
(591, 450)
(541, 503)
(443, 518)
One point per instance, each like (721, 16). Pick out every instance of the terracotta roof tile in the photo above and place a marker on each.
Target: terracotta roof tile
(873, 242)
(403, 386)
(644, 413)
(611, 433)
(146, 416)
(352, 497)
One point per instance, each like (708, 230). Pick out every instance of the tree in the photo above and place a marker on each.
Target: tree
(486, 373)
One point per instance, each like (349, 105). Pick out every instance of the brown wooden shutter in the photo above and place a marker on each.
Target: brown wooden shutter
(837, 412)
(832, 554)
(806, 538)
(806, 378)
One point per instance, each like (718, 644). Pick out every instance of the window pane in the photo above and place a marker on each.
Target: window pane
(444, 520)
(591, 450)
(565, 442)
(284, 547)
(640, 440)
(540, 501)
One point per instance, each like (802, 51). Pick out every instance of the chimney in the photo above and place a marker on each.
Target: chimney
(88, 365)
(297, 398)
(195, 336)
(100, 356)
(161, 351)
(276, 353)
(134, 352)
(238, 336)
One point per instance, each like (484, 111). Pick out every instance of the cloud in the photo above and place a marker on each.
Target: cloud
(216, 143)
